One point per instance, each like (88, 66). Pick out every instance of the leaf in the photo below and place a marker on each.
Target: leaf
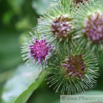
(26, 94)
(40, 5)
(21, 84)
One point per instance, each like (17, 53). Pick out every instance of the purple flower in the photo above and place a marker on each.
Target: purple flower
(94, 28)
(75, 66)
(36, 50)
(39, 50)
(61, 26)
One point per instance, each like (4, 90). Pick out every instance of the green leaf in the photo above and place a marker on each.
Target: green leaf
(21, 84)
(40, 5)
(26, 94)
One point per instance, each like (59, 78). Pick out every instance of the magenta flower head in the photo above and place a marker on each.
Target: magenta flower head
(89, 24)
(73, 71)
(75, 66)
(35, 49)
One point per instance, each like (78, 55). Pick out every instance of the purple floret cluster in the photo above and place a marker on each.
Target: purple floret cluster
(94, 28)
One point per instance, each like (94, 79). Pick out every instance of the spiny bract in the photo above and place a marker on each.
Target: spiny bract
(35, 49)
(73, 71)
(89, 25)
(56, 23)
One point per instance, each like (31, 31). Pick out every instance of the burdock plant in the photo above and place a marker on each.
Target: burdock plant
(89, 25)
(56, 23)
(35, 49)
(73, 71)
(73, 68)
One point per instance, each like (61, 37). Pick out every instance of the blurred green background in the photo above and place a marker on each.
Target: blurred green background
(17, 18)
